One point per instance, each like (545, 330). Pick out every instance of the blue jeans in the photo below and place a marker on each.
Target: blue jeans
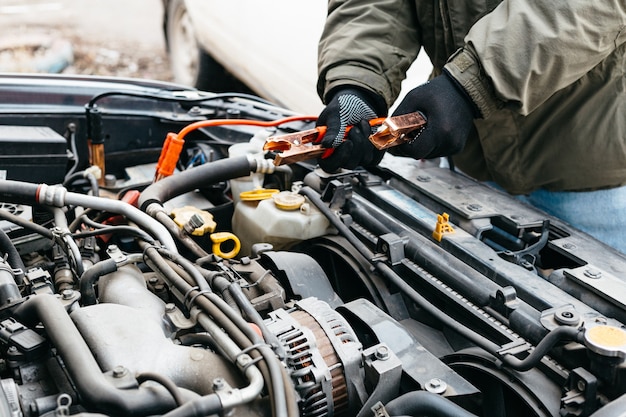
(601, 213)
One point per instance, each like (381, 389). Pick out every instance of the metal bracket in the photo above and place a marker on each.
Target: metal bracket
(383, 371)
(514, 348)
(580, 394)
(504, 301)
(337, 193)
(392, 246)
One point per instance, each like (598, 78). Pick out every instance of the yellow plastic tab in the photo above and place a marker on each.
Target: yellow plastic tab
(181, 216)
(222, 237)
(443, 227)
(258, 194)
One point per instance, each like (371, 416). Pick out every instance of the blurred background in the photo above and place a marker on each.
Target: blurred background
(91, 37)
(240, 46)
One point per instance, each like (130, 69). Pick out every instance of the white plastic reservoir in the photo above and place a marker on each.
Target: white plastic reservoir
(282, 220)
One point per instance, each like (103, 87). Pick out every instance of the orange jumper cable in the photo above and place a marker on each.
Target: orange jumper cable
(173, 145)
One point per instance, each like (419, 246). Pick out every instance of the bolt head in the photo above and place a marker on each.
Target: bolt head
(382, 353)
(436, 386)
(119, 371)
(218, 384)
(593, 273)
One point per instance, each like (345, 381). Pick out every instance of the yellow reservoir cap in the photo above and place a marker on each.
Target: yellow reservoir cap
(288, 200)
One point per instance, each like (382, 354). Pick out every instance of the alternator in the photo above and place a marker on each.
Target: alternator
(323, 355)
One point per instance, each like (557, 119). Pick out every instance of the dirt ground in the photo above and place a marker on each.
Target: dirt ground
(95, 37)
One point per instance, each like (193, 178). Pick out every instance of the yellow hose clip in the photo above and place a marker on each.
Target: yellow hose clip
(222, 237)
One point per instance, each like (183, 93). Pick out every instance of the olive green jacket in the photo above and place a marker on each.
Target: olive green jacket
(547, 76)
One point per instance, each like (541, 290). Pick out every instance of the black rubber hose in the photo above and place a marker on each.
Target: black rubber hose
(426, 404)
(26, 224)
(204, 406)
(254, 316)
(438, 261)
(125, 230)
(543, 347)
(203, 339)
(94, 390)
(9, 291)
(165, 381)
(8, 248)
(198, 177)
(220, 285)
(93, 182)
(188, 267)
(18, 192)
(89, 278)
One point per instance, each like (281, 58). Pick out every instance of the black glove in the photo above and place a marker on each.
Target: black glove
(449, 113)
(349, 107)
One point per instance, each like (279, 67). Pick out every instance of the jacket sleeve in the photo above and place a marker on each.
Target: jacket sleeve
(369, 44)
(524, 51)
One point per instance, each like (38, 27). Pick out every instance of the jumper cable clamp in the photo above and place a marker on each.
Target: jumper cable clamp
(397, 130)
(303, 145)
(297, 146)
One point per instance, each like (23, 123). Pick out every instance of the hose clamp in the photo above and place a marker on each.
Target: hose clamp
(51, 195)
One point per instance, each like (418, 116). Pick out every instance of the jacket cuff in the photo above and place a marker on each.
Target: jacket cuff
(353, 75)
(463, 66)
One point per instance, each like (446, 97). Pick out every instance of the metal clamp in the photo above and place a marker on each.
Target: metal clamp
(395, 130)
(296, 147)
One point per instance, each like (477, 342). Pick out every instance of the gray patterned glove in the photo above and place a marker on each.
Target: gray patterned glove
(349, 107)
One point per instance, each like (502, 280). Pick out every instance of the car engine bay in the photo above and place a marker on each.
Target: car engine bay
(233, 286)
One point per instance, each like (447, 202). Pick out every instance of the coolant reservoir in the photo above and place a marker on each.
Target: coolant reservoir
(282, 220)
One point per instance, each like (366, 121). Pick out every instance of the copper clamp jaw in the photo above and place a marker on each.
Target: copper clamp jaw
(303, 145)
(395, 130)
(296, 147)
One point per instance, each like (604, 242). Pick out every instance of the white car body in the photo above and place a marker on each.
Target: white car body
(272, 46)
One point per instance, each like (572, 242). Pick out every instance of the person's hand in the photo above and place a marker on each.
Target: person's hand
(348, 107)
(449, 113)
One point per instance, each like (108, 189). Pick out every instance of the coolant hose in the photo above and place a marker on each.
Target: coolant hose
(91, 276)
(56, 196)
(426, 404)
(18, 192)
(550, 340)
(205, 406)
(198, 177)
(8, 248)
(9, 291)
(93, 387)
